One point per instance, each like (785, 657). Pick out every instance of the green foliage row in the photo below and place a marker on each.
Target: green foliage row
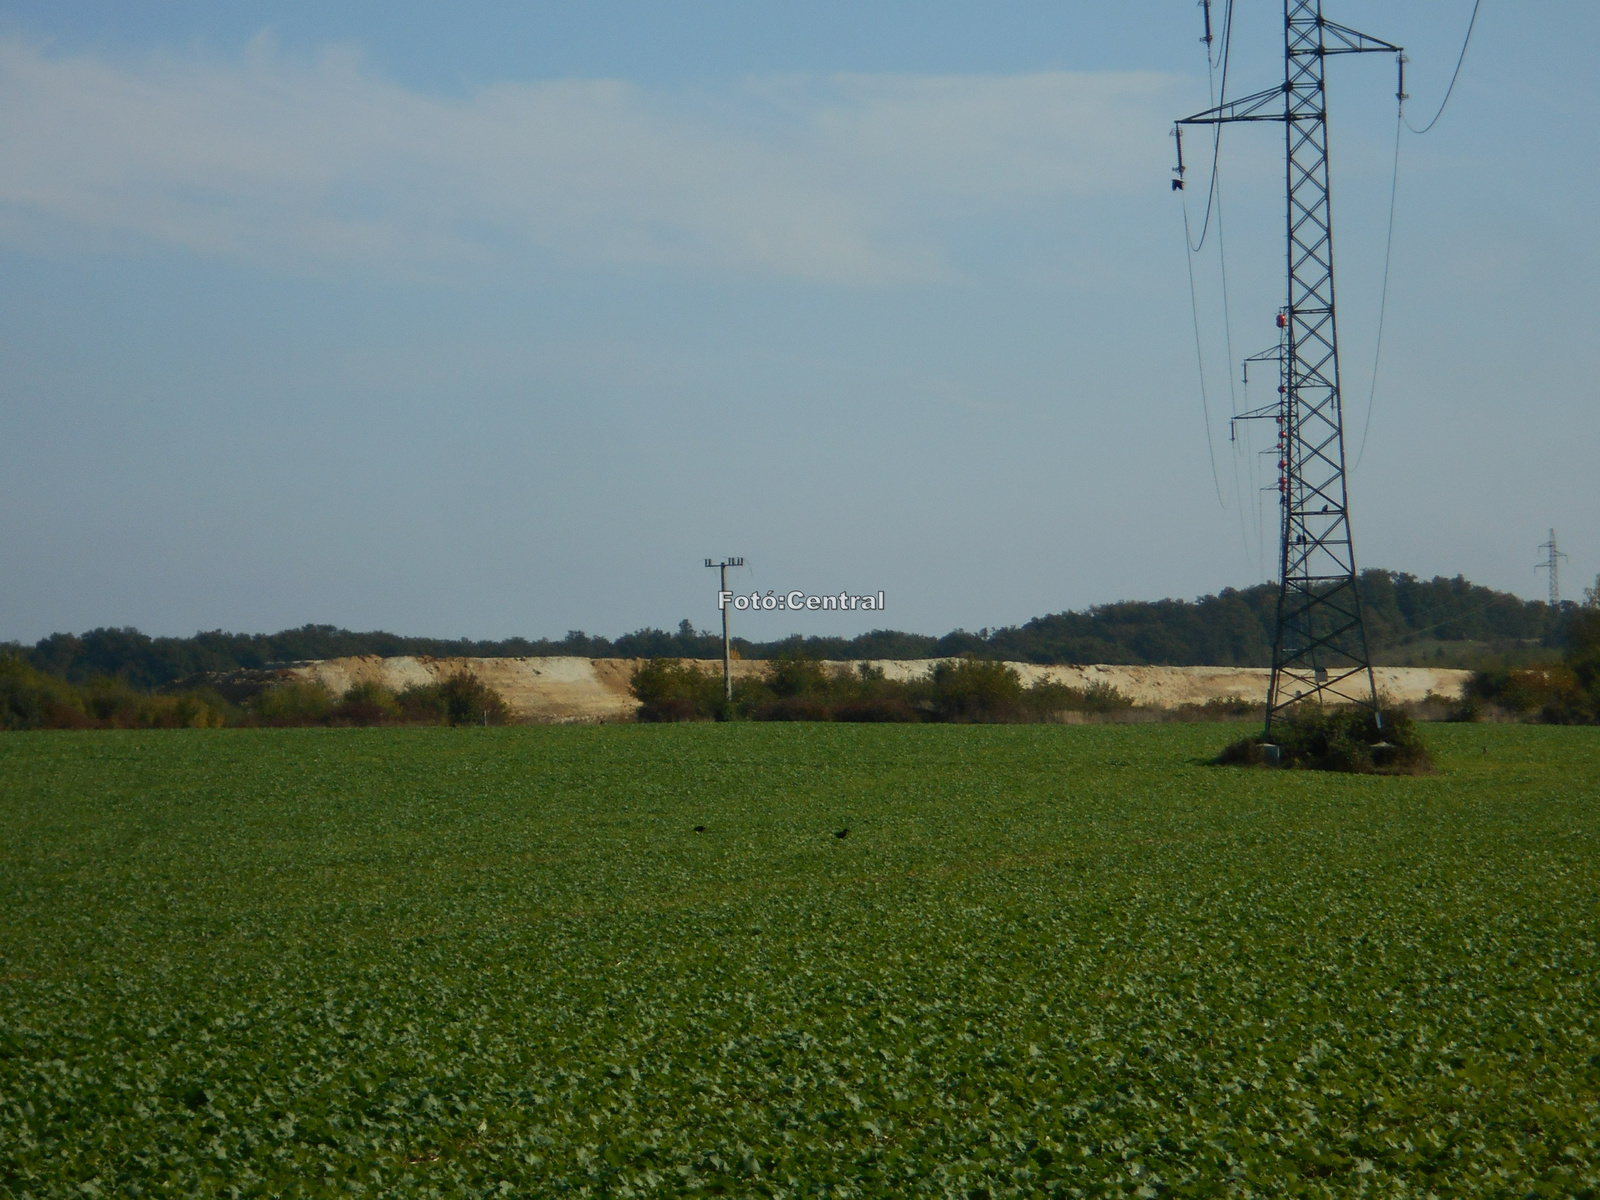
(1565, 694)
(638, 961)
(790, 688)
(461, 699)
(31, 699)
(1232, 628)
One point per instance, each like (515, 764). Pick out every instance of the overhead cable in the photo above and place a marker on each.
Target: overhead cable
(1383, 300)
(1216, 133)
(1465, 42)
(1200, 362)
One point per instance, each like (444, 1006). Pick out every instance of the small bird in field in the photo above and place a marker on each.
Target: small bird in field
(841, 833)
(699, 828)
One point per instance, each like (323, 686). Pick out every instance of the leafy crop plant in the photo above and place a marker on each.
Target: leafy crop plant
(637, 961)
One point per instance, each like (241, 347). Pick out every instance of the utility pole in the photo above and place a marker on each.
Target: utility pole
(1552, 564)
(1319, 652)
(727, 646)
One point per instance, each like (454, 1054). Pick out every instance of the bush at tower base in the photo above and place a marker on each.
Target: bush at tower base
(1349, 739)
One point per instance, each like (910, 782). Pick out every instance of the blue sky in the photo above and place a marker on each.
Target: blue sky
(497, 319)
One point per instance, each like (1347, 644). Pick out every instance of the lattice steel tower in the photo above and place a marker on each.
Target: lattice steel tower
(1319, 651)
(1553, 565)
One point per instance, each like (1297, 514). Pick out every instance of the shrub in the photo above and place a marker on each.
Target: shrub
(186, 710)
(1046, 698)
(470, 701)
(879, 709)
(860, 695)
(1552, 694)
(976, 690)
(367, 703)
(795, 708)
(293, 702)
(670, 690)
(1340, 739)
(1103, 697)
(790, 675)
(1218, 708)
(30, 699)
(423, 704)
(111, 703)
(462, 699)
(672, 709)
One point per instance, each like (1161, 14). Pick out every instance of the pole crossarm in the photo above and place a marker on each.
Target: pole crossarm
(1246, 108)
(1265, 413)
(1348, 41)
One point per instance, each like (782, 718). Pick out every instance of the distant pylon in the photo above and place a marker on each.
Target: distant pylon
(1319, 652)
(1553, 565)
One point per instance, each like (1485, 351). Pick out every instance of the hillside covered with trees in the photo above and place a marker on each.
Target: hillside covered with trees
(1439, 621)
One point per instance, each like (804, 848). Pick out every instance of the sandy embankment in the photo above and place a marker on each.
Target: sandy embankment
(596, 689)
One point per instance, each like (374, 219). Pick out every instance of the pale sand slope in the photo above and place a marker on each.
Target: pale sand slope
(596, 689)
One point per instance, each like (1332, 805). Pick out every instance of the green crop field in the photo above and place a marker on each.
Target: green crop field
(1044, 961)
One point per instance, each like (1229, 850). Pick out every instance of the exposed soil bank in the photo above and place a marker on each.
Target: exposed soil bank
(596, 689)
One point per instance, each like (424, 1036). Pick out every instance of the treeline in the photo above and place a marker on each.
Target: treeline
(1234, 627)
(961, 691)
(1231, 628)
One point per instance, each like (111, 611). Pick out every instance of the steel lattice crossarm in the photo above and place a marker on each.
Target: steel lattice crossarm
(1320, 645)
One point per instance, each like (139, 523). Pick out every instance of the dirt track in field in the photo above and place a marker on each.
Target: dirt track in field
(596, 689)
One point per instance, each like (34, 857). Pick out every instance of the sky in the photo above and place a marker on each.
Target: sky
(493, 320)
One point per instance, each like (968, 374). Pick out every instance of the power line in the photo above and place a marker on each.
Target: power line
(1394, 184)
(1233, 395)
(1227, 323)
(1192, 247)
(1450, 620)
(1216, 138)
(1222, 253)
(1465, 42)
(1383, 301)
(1200, 362)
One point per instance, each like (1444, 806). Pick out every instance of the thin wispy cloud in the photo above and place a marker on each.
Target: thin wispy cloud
(326, 165)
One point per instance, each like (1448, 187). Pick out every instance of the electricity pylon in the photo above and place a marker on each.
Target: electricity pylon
(1319, 651)
(1553, 565)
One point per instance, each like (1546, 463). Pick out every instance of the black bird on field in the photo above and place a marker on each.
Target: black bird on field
(839, 833)
(699, 828)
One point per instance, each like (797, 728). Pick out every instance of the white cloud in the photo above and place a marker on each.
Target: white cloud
(326, 165)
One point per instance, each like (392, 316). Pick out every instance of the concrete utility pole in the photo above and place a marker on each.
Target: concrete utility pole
(727, 647)
(1552, 564)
